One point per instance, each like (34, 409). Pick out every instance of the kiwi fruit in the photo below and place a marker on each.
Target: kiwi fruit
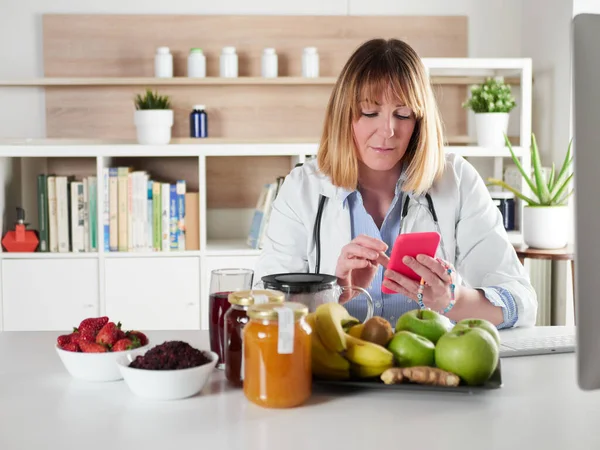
(377, 330)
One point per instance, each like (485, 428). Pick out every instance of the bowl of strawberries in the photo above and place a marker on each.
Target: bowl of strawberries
(89, 352)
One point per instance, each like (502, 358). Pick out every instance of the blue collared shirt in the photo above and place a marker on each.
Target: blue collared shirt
(392, 306)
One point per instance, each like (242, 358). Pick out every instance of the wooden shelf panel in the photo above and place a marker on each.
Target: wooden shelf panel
(213, 81)
(216, 149)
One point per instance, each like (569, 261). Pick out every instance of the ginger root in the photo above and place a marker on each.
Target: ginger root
(420, 375)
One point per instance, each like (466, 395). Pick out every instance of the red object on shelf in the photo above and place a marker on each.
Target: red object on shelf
(21, 239)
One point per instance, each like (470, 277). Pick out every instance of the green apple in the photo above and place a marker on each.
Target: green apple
(424, 322)
(485, 325)
(470, 353)
(410, 349)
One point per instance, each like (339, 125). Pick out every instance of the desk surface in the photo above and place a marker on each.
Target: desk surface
(41, 406)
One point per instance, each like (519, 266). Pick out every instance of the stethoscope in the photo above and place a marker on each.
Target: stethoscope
(405, 207)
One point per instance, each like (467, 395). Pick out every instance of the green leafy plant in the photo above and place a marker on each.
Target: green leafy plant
(493, 96)
(550, 192)
(151, 100)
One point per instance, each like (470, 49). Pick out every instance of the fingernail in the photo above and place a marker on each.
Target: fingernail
(373, 255)
(421, 258)
(407, 259)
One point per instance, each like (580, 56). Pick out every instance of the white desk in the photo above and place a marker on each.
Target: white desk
(41, 406)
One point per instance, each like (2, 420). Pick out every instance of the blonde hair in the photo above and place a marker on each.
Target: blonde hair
(374, 69)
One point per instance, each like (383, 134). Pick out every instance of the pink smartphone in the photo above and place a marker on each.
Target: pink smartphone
(411, 244)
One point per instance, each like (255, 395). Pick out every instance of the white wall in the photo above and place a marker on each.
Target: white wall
(586, 6)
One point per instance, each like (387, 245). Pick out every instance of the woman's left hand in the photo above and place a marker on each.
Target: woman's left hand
(437, 293)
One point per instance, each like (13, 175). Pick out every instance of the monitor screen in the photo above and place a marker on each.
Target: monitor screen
(586, 146)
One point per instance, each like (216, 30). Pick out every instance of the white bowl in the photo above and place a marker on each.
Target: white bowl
(93, 366)
(165, 384)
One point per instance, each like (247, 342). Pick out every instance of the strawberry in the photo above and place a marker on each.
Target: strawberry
(109, 334)
(92, 347)
(125, 344)
(67, 339)
(89, 328)
(71, 347)
(63, 340)
(138, 334)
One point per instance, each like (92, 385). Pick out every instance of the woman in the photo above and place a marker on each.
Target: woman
(382, 143)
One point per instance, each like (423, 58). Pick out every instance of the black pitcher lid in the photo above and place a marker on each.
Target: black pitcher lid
(299, 283)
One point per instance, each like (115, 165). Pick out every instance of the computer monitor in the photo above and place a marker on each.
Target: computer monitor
(585, 39)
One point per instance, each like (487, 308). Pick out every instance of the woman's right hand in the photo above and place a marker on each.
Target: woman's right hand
(358, 261)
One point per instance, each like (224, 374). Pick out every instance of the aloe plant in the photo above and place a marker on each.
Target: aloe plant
(151, 100)
(550, 192)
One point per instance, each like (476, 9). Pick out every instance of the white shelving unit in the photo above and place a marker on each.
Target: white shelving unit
(169, 290)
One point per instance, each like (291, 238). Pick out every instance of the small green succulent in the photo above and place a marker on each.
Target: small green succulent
(493, 96)
(151, 100)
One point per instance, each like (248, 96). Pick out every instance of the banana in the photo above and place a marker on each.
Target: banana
(330, 317)
(349, 323)
(322, 358)
(356, 330)
(365, 353)
(328, 373)
(368, 371)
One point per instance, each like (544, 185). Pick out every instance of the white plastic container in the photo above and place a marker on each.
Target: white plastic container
(310, 62)
(196, 63)
(269, 63)
(228, 63)
(163, 63)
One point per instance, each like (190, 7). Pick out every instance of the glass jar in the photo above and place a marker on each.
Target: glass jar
(277, 355)
(235, 319)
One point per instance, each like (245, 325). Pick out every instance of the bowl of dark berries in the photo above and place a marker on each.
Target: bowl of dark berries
(169, 371)
(90, 350)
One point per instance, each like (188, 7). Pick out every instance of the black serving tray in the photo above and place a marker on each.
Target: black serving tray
(494, 382)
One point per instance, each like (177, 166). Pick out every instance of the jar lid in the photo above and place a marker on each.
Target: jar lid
(310, 49)
(299, 283)
(196, 50)
(502, 194)
(162, 50)
(269, 51)
(229, 50)
(198, 107)
(257, 296)
(268, 311)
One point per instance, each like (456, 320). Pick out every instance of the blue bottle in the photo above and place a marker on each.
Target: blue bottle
(198, 122)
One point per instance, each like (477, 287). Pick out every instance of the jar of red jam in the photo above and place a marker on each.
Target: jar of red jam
(235, 319)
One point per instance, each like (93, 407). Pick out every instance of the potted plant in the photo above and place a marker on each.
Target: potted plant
(491, 102)
(153, 118)
(545, 216)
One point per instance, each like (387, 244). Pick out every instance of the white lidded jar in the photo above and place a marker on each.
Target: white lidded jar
(269, 63)
(310, 62)
(163, 63)
(196, 63)
(229, 63)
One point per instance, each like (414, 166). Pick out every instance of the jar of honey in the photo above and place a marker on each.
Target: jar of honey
(277, 355)
(235, 319)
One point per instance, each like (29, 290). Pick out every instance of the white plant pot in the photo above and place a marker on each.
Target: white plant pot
(545, 227)
(153, 125)
(490, 129)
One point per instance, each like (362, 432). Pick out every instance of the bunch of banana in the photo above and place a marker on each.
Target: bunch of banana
(337, 350)
(326, 363)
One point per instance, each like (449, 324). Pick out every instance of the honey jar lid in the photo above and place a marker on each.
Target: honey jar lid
(256, 296)
(268, 311)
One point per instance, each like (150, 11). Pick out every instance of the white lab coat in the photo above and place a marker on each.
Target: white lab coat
(471, 225)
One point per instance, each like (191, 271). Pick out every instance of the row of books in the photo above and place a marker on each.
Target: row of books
(262, 213)
(139, 214)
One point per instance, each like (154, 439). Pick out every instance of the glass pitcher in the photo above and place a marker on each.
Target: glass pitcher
(313, 290)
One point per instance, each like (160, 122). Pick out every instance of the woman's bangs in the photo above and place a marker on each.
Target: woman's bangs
(383, 85)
